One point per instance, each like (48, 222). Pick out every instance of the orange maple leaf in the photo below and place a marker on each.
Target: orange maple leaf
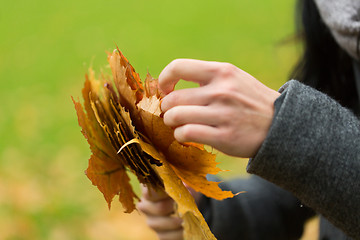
(125, 131)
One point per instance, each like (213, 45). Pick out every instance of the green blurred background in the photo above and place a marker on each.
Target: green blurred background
(46, 48)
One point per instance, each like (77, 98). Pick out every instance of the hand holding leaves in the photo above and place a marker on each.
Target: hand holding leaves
(230, 111)
(125, 130)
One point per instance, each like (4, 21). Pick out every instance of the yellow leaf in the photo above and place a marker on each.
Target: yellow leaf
(126, 132)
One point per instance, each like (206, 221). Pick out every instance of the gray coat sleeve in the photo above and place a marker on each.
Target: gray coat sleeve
(313, 151)
(264, 211)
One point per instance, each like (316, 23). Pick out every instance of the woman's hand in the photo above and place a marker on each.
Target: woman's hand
(231, 110)
(158, 208)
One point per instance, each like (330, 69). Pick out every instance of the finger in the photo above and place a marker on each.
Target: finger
(161, 224)
(181, 115)
(188, 96)
(159, 208)
(203, 134)
(187, 69)
(152, 195)
(171, 235)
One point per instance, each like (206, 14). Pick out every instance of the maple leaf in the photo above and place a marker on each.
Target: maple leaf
(125, 130)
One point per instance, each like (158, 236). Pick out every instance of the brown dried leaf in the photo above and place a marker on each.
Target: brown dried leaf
(107, 126)
(195, 226)
(125, 131)
(190, 162)
(104, 170)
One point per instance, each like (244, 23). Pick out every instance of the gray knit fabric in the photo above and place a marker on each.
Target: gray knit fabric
(343, 19)
(312, 152)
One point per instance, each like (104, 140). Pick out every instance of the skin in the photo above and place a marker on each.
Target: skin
(158, 208)
(230, 111)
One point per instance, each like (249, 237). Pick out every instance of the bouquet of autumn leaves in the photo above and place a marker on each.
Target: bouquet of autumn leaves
(124, 127)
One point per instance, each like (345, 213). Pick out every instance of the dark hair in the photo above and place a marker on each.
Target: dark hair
(324, 65)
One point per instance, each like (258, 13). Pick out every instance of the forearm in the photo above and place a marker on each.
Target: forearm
(313, 150)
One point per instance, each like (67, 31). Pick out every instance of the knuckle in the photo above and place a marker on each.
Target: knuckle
(140, 206)
(171, 117)
(223, 93)
(225, 70)
(169, 101)
(144, 206)
(184, 134)
(225, 134)
(165, 207)
(173, 65)
(226, 115)
(145, 193)
(148, 195)
(152, 223)
(218, 94)
(176, 222)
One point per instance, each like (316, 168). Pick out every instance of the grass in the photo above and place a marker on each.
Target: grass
(46, 48)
